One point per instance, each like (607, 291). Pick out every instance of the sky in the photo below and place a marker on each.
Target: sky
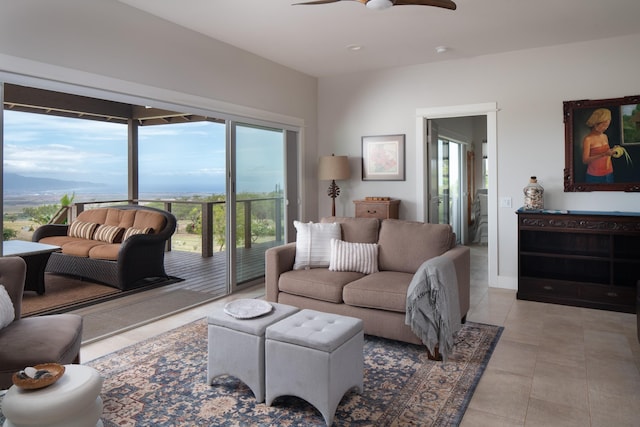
(176, 158)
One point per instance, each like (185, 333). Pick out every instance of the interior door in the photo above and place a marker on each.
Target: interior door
(445, 184)
(433, 154)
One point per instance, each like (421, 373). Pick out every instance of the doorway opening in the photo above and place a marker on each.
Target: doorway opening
(477, 170)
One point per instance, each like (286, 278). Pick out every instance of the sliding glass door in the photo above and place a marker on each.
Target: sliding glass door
(257, 198)
(225, 181)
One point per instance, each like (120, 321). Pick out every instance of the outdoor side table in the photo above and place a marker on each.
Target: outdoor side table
(35, 255)
(73, 401)
(236, 346)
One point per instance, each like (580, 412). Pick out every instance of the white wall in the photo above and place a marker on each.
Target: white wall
(108, 45)
(529, 88)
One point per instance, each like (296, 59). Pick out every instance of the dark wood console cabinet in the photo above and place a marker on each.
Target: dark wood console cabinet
(586, 259)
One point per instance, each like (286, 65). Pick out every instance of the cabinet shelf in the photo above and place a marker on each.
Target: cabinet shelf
(587, 259)
(566, 255)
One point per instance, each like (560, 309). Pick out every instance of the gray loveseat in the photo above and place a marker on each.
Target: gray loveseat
(379, 299)
(37, 339)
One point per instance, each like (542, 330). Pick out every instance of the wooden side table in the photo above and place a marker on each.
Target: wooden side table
(381, 209)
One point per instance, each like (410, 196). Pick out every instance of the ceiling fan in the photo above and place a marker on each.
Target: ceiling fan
(384, 4)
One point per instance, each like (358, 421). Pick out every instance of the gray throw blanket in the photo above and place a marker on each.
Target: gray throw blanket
(433, 309)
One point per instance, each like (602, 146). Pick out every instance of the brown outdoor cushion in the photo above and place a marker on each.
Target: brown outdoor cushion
(59, 240)
(82, 229)
(98, 216)
(405, 245)
(81, 247)
(133, 231)
(120, 217)
(108, 251)
(108, 233)
(146, 219)
(124, 218)
(386, 290)
(357, 230)
(317, 283)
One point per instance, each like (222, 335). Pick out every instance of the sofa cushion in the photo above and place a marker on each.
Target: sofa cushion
(405, 245)
(131, 231)
(59, 240)
(386, 290)
(120, 217)
(80, 247)
(124, 218)
(98, 215)
(54, 339)
(153, 220)
(361, 230)
(317, 283)
(313, 244)
(108, 251)
(349, 256)
(108, 233)
(7, 312)
(82, 229)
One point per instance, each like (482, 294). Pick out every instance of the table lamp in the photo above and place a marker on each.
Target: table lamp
(333, 168)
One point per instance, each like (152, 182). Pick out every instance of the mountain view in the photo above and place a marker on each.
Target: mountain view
(18, 184)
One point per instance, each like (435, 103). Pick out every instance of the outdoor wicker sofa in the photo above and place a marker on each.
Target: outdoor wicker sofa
(119, 246)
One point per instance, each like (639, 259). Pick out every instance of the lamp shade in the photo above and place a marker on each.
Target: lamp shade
(333, 167)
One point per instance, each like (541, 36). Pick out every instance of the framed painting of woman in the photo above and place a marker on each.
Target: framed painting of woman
(602, 140)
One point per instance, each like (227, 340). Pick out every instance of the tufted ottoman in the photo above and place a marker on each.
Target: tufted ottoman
(315, 356)
(236, 346)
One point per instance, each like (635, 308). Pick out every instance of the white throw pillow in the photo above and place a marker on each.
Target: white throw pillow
(7, 313)
(313, 243)
(348, 256)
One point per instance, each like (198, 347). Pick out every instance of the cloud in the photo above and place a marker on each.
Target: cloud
(181, 154)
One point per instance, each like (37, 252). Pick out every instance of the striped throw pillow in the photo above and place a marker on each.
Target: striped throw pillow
(313, 243)
(108, 233)
(360, 257)
(133, 231)
(81, 229)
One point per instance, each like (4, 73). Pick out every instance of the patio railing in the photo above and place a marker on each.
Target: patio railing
(207, 216)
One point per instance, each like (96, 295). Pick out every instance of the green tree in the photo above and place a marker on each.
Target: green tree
(9, 233)
(41, 214)
(195, 218)
(66, 200)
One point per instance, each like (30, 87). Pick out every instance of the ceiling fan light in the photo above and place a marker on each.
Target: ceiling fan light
(379, 4)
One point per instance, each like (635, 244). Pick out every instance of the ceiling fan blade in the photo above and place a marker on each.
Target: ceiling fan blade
(446, 4)
(318, 2)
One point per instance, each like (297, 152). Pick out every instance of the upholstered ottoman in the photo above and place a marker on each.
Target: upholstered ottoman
(315, 356)
(236, 346)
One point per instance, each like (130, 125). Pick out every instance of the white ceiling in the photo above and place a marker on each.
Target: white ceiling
(313, 39)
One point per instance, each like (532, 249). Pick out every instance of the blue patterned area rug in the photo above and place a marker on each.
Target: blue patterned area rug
(162, 382)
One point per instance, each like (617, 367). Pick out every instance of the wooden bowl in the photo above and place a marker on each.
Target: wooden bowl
(55, 369)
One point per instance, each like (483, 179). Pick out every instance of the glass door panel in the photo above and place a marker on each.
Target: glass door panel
(445, 174)
(182, 168)
(259, 191)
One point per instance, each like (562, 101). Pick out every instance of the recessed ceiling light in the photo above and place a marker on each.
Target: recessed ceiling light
(441, 49)
(354, 47)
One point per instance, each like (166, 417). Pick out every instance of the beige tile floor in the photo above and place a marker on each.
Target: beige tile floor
(553, 366)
